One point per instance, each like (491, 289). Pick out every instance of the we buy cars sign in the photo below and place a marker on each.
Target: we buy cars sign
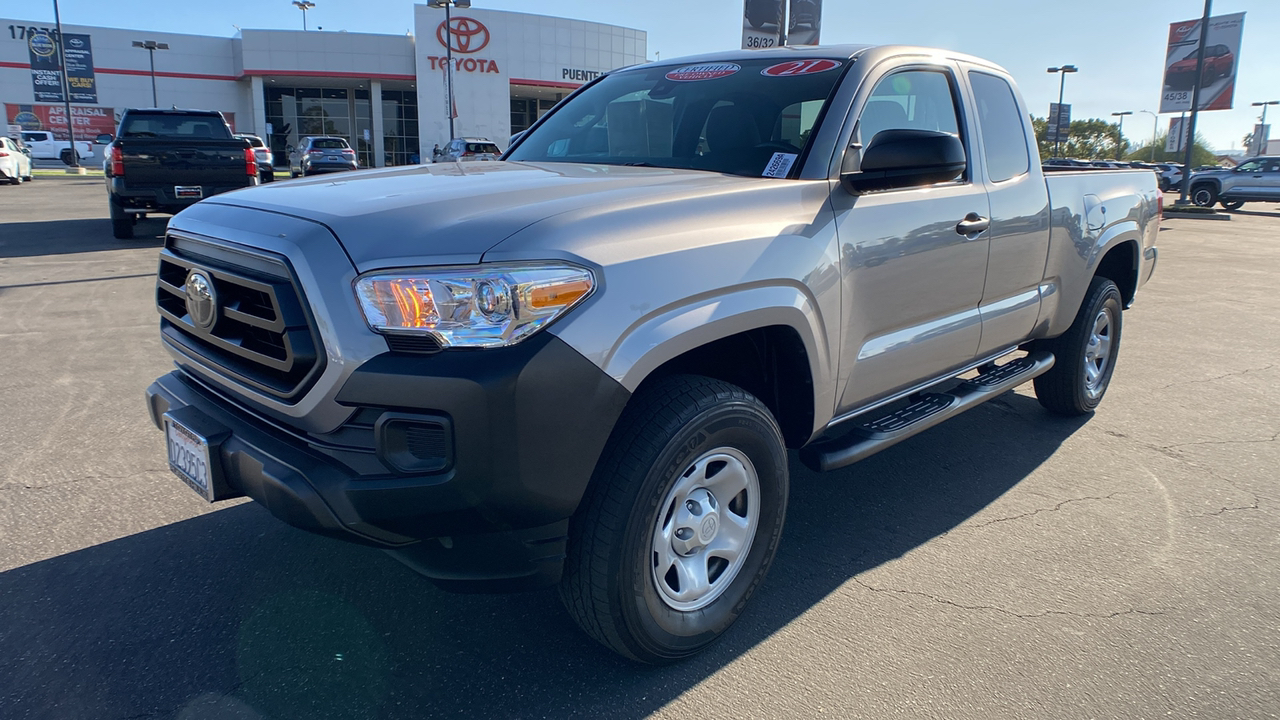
(1217, 77)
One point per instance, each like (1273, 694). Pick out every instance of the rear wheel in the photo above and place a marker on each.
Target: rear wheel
(15, 180)
(1232, 204)
(1204, 195)
(121, 223)
(1085, 355)
(681, 521)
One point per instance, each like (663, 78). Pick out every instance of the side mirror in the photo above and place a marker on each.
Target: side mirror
(104, 138)
(907, 158)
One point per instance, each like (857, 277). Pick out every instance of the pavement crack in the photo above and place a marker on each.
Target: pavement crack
(1222, 442)
(1055, 508)
(1219, 377)
(1216, 513)
(1006, 611)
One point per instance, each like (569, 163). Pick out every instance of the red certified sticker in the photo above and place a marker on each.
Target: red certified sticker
(800, 67)
(706, 71)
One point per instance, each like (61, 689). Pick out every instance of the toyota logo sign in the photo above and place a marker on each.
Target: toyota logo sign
(466, 35)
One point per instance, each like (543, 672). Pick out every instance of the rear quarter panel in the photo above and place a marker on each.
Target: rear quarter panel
(1091, 213)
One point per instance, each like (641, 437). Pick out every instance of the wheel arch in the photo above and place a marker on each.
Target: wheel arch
(770, 340)
(1121, 263)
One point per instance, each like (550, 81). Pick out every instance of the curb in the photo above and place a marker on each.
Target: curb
(1174, 214)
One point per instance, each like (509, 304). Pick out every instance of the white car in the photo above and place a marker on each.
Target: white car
(15, 161)
(45, 147)
(266, 159)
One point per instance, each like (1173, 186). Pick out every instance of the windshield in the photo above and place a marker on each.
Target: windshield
(143, 125)
(749, 117)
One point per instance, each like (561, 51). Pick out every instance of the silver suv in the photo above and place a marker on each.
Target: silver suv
(469, 149)
(1254, 180)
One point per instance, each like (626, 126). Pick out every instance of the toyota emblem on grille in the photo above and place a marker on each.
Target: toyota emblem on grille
(202, 302)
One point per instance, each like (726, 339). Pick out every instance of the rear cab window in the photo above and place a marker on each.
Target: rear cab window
(171, 125)
(1004, 137)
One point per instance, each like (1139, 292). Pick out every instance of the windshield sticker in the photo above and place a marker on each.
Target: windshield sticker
(800, 67)
(779, 165)
(706, 71)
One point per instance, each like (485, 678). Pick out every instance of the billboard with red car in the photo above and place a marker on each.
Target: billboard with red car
(1216, 76)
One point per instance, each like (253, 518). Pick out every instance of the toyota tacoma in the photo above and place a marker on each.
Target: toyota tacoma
(583, 366)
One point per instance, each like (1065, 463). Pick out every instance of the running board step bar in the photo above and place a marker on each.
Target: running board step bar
(928, 409)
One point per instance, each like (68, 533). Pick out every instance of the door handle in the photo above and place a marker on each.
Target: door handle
(972, 224)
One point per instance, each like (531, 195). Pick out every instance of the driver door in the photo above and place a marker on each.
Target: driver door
(912, 282)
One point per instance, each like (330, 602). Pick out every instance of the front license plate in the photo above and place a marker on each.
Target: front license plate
(189, 457)
(188, 192)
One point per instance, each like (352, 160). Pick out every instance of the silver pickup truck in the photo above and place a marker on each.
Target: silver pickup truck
(584, 366)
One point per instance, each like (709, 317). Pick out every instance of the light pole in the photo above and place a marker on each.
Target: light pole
(151, 46)
(66, 87)
(1120, 131)
(1263, 123)
(1155, 129)
(448, 52)
(1062, 83)
(304, 6)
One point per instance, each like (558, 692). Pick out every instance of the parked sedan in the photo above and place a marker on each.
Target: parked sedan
(266, 159)
(15, 161)
(322, 155)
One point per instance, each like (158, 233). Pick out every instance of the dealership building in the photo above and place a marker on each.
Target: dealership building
(385, 93)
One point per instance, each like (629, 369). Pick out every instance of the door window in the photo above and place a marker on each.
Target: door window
(909, 100)
(1004, 138)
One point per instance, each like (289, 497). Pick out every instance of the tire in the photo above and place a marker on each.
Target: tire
(15, 180)
(1233, 204)
(674, 436)
(65, 157)
(1081, 374)
(268, 177)
(1204, 195)
(758, 14)
(121, 223)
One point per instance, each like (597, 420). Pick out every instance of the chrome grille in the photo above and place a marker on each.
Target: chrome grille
(262, 336)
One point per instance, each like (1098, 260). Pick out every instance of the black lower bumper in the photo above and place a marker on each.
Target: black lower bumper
(523, 429)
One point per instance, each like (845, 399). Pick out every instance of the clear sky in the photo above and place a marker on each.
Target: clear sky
(1117, 44)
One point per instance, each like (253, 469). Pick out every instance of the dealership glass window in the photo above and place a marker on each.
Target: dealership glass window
(400, 127)
(1004, 139)
(295, 113)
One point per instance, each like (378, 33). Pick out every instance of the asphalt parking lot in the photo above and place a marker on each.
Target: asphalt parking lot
(1007, 564)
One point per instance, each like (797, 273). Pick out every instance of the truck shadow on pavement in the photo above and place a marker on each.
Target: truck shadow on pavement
(64, 237)
(234, 615)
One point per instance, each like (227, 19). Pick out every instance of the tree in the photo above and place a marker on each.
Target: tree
(1086, 139)
(1200, 152)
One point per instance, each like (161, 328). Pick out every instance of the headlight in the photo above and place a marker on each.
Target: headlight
(478, 306)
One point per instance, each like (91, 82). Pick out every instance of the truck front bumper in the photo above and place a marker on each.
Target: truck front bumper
(484, 502)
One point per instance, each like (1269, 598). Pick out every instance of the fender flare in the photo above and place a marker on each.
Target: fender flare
(674, 330)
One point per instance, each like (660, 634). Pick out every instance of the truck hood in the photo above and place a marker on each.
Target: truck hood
(451, 213)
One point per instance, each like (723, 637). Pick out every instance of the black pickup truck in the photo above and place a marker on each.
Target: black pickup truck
(165, 160)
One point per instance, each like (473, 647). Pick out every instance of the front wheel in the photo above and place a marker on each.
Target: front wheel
(1204, 195)
(681, 521)
(1085, 355)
